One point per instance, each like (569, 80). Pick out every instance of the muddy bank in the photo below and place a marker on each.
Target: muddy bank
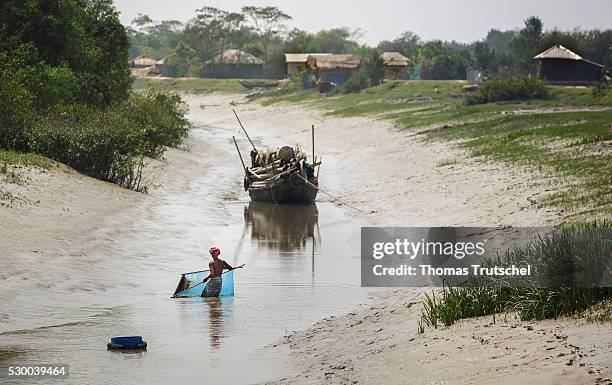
(54, 209)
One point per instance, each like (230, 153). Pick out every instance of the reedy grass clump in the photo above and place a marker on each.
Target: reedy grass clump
(568, 256)
(601, 312)
(497, 90)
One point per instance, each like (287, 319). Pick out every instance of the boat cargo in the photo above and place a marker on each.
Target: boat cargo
(280, 175)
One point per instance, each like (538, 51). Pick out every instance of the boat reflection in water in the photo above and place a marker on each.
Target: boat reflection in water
(285, 228)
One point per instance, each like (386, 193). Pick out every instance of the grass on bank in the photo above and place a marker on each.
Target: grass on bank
(600, 312)
(565, 135)
(190, 85)
(574, 267)
(9, 159)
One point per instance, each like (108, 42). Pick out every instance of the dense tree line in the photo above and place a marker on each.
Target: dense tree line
(503, 53)
(264, 32)
(65, 51)
(261, 31)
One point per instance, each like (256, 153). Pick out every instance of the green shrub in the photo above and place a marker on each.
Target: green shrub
(16, 112)
(600, 90)
(497, 90)
(111, 144)
(567, 254)
(159, 117)
(56, 86)
(353, 84)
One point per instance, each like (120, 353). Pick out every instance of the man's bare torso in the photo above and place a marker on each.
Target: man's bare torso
(216, 267)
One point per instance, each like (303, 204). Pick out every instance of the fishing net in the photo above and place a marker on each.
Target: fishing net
(191, 284)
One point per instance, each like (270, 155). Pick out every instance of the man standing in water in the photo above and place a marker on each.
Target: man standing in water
(216, 267)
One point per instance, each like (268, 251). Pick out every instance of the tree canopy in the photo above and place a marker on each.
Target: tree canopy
(78, 47)
(265, 32)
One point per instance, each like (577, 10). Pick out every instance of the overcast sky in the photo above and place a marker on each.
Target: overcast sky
(462, 20)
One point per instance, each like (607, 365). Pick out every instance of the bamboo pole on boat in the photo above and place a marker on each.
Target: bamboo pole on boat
(313, 142)
(243, 129)
(239, 154)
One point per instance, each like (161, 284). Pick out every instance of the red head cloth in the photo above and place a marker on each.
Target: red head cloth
(214, 251)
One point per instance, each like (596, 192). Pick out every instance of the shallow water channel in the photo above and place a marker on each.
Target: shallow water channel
(302, 264)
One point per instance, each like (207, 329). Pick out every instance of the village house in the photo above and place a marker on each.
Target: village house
(396, 64)
(234, 63)
(298, 62)
(559, 65)
(334, 68)
(142, 61)
(144, 66)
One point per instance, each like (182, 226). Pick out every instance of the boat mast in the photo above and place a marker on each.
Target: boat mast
(313, 147)
(245, 132)
(239, 154)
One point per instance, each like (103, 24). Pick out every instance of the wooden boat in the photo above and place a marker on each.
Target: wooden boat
(258, 84)
(281, 176)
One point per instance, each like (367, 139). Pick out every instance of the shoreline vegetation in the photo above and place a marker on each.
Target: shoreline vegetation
(575, 279)
(111, 144)
(69, 97)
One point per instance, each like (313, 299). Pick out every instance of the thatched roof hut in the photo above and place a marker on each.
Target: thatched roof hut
(334, 68)
(143, 61)
(334, 62)
(560, 65)
(234, 63)
(395, 59)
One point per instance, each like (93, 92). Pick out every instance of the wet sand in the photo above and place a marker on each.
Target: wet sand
(108, 266)
(379, 345)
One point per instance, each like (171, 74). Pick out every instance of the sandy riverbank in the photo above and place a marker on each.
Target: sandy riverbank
(395, 179)
(379, 345)
(56, 208)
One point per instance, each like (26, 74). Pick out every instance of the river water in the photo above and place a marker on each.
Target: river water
(302, 264)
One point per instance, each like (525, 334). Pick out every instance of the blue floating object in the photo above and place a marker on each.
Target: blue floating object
(127, 342)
